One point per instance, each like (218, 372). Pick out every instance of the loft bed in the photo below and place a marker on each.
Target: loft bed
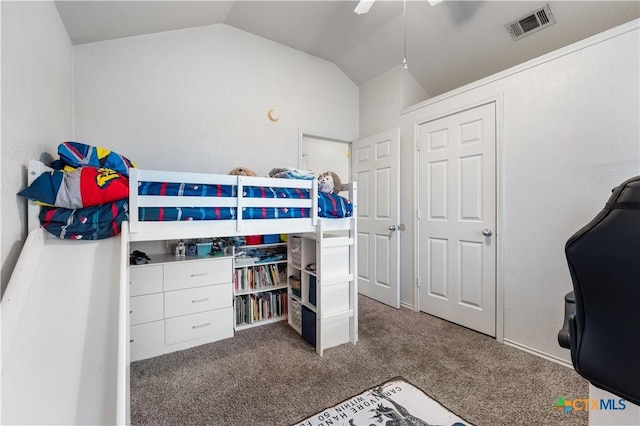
(197, 205)
(166, 205)
(109, 260)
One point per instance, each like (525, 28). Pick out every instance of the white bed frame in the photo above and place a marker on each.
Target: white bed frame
(135, 230)
(149, 231)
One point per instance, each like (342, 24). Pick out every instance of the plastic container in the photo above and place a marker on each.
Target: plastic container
(253, 240)
(271, 238)
(203, 249)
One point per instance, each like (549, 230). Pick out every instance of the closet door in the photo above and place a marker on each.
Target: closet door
(377, 163)
(457, 217)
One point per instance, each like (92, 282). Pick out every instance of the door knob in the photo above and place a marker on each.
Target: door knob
(487, 232)
(400, 227)
(392, 227)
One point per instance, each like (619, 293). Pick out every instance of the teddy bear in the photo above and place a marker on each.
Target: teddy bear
(242, 171)
(329, 182)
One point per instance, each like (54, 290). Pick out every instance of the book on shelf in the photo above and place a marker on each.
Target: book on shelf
(246, 260)
(251, 308)
(259, 276)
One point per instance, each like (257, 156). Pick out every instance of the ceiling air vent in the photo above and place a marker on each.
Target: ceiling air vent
(530, 23)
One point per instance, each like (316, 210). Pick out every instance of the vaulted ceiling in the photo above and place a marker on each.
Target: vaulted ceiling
(447, 45)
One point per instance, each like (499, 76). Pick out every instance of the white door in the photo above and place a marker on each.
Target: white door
(377, 165)
(321, 154)
(457, 216)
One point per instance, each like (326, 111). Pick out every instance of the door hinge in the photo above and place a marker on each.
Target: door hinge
(418, 282)
(418, 214)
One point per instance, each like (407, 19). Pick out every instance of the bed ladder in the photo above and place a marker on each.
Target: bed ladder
(337, 287)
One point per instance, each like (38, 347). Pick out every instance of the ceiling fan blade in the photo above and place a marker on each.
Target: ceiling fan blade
(363, 7)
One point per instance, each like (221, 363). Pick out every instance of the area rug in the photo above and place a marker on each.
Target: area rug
(394, 403)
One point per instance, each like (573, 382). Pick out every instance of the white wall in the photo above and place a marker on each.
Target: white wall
(568, 132)
(36, 107)
(383, 98)
(197, 99)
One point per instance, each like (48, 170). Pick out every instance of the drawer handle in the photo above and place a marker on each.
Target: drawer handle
(202, 274)
(206, 324)
(200, 300)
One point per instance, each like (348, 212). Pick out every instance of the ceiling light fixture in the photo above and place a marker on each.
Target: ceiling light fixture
(363, 6)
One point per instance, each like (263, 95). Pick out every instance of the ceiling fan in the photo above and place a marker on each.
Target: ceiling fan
(364, 5)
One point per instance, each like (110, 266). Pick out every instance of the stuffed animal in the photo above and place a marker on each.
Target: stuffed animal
(242, 171)
(181, 250)
(329, 182)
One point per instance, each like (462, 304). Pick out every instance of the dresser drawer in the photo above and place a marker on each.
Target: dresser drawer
(215, 325)
(145, 279)
(147, 308)
(180, 275)
(198, 299)
(147, 337)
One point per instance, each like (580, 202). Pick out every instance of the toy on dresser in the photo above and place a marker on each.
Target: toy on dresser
(181, 249)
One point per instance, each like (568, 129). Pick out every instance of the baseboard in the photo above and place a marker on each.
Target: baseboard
(407, 305)
(536, 352)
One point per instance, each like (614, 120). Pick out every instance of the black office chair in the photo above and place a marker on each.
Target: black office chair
(604, 262)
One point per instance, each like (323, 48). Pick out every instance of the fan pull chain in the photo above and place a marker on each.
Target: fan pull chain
(404, 16)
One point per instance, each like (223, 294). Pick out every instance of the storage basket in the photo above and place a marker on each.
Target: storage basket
(271, 238)
(296, 246)
(253, 240)
(203, 249)
(294, 283)
(295, 314)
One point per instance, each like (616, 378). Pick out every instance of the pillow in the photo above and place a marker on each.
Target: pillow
(83, 187)
(76, 154)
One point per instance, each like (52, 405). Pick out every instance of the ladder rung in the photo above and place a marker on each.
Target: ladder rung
(336, 242)
(338, 316)
(335, 280)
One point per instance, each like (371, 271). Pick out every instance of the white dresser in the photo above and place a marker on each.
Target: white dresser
(179, 303)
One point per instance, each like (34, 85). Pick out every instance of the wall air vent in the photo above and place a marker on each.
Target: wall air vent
(531, 22)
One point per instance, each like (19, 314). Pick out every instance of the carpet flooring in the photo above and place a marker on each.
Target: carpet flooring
(269, 376)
